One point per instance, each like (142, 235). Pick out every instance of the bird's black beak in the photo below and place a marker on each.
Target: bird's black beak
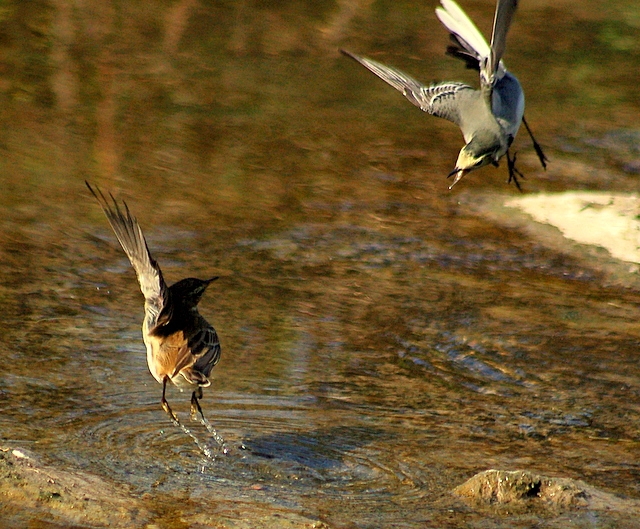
(212, 280)
(459, 174)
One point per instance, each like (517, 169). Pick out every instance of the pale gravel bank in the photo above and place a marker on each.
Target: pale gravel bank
(609, 220)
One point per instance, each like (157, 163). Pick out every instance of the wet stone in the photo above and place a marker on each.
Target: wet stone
(520, 488)
(61, 496)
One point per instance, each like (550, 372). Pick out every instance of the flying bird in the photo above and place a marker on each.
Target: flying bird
(489, 117)
(182, 347)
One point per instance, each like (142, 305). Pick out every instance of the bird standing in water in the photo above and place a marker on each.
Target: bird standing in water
(182, 347)
(489, 118)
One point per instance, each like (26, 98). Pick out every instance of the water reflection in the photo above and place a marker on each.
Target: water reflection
(382, 341)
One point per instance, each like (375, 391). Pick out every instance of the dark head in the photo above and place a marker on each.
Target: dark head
(189, 291)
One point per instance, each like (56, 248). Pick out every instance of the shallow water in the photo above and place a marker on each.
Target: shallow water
(382, 340)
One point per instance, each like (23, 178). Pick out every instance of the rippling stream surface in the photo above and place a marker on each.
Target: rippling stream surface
(382, 339)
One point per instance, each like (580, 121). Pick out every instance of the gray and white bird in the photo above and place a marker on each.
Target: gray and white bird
(490, 117)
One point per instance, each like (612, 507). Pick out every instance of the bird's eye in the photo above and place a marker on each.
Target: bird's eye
(483, 156)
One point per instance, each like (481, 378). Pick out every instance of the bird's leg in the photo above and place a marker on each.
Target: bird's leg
(513, 171)
(174, 419)
(195, 405)
(543, 159)
(165, 404)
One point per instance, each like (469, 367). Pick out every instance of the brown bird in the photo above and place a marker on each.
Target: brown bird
(182, 347)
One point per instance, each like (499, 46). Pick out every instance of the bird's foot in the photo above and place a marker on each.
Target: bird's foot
(169, 412)
(514, 173)
(541, 156)
(195, 409)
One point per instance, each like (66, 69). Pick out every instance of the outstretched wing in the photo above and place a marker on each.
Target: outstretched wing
(471, 46)
(463, 30)
(439, 100)
(129, 234)
(505, 10)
